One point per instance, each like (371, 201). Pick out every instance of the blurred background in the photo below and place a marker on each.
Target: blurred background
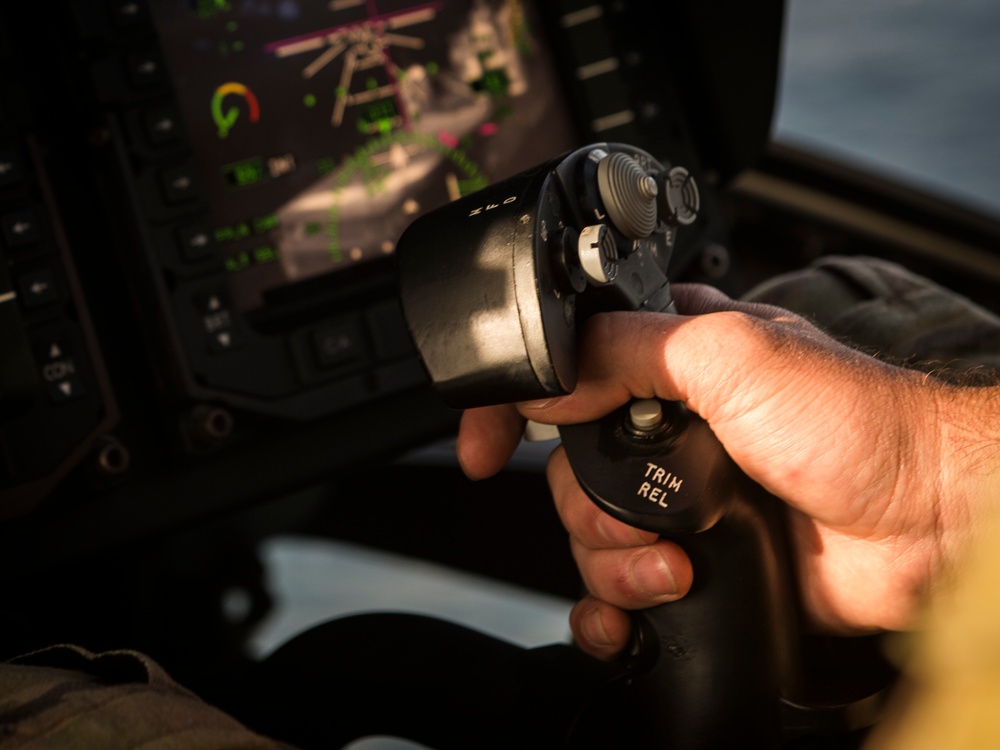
(909, 88)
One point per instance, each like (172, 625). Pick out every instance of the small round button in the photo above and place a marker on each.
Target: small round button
(646, 414)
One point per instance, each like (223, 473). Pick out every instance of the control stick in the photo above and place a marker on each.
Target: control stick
(493, 287)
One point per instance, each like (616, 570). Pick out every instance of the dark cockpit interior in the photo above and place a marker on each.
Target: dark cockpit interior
(202, 344)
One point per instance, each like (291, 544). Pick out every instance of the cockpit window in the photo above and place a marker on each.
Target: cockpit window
(908, 88)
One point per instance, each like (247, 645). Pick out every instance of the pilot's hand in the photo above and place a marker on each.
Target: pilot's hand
(884, 469)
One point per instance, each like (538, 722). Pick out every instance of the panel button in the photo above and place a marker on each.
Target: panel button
(37, 288)
(145, 70)
(59, 372)
(222, 331)
(161, 125)
(338, 342)
(179, 184)
(21, 227)
(11, 170)
(195, 241)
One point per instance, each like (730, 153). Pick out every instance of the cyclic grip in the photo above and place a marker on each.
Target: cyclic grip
(492, 283)
(493, 286)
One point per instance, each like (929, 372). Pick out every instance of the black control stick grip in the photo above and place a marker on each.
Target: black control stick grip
(493, 284)
(493, 288)
(712, 669)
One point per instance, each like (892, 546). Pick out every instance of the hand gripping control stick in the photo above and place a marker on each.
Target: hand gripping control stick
(493, 286)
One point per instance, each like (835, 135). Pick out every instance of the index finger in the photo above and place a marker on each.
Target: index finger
(487, 438)
(698, 360)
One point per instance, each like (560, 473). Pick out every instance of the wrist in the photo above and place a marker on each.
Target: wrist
(969, 467)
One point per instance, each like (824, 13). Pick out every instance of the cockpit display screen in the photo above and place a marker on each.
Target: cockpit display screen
(324, 127)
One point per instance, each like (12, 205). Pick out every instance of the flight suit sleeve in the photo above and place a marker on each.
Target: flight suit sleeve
(67, 698)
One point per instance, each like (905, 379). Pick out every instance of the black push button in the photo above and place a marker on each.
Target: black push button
(21, 227)
(162, 125)
(338, 343)
(11, 170)
(37, 288)
(145, 70)
(195, 241)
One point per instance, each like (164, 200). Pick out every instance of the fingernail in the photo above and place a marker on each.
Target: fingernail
(593, 628)
(653, 576)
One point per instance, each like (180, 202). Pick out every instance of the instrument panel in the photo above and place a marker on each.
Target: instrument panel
(200, 201)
